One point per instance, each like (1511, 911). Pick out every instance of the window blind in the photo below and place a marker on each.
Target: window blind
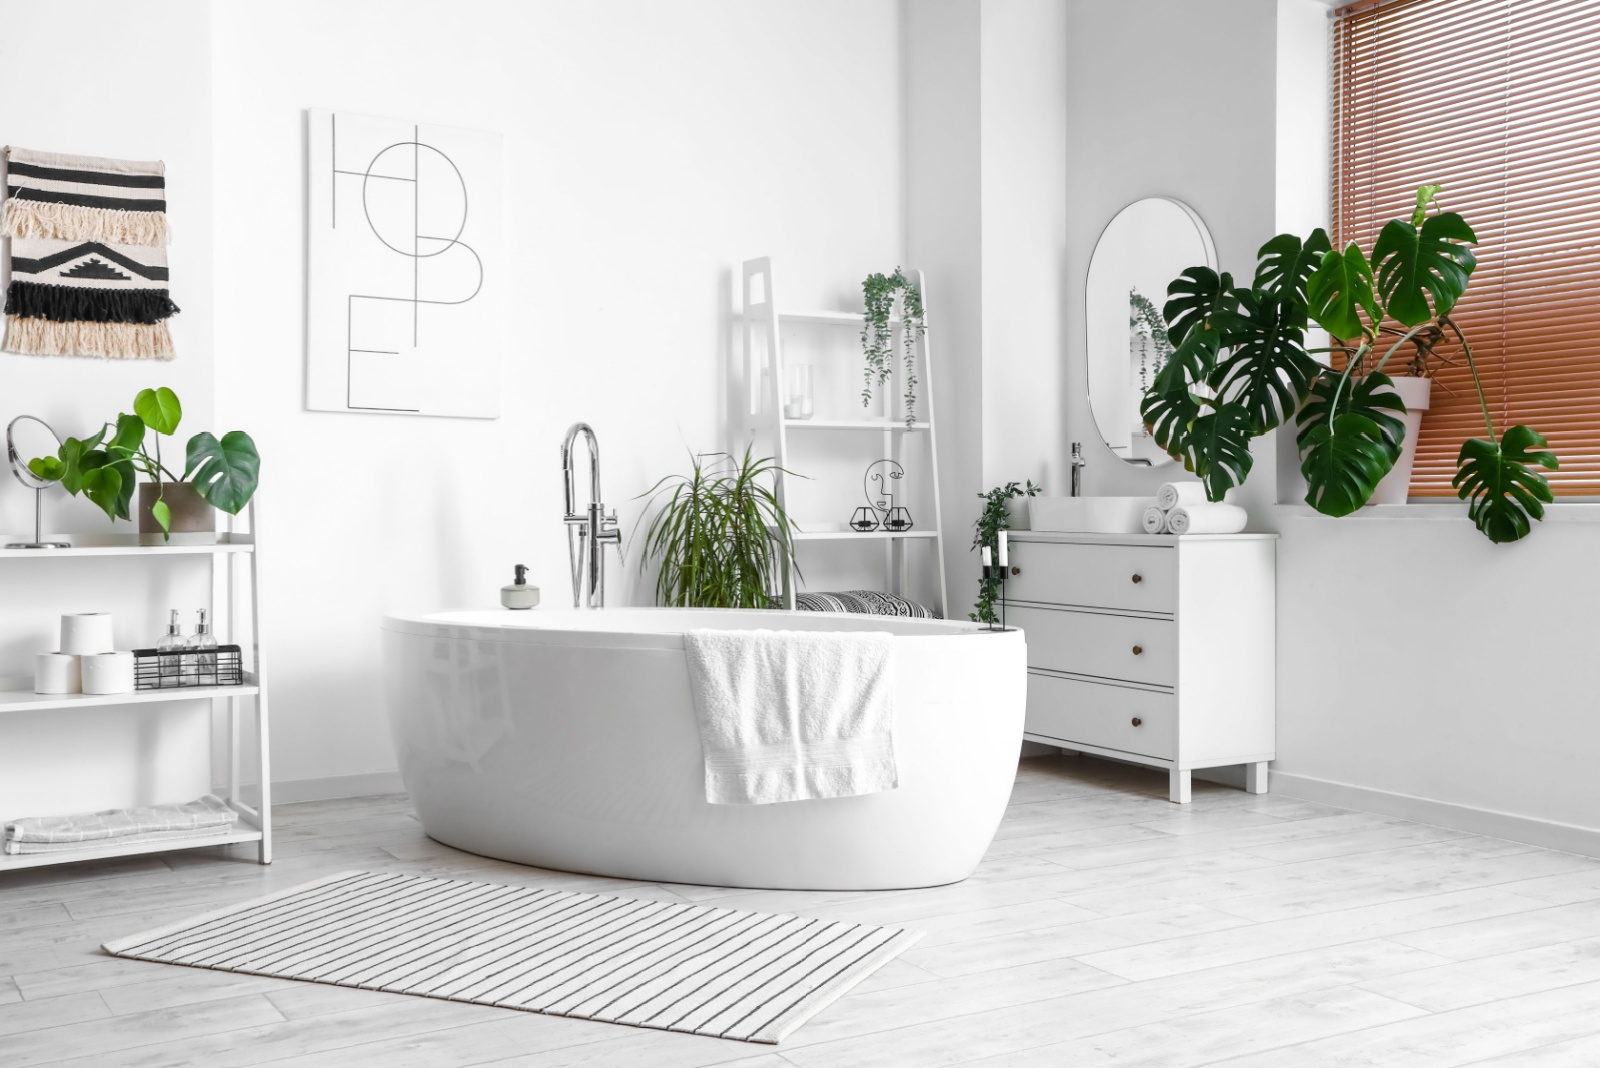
(1499, 102)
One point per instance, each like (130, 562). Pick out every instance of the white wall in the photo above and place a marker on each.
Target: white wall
(649, 149)
(1024, 158)
(1165, 98)
(986, 168)
(75, 98)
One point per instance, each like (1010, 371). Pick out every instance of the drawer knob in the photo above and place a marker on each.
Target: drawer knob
(1016, 571)
(1138, 579)
(1137, 721)
(1138, 649)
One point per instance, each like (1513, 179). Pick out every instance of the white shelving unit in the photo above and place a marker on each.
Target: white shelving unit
(227, 556)
(764, 322)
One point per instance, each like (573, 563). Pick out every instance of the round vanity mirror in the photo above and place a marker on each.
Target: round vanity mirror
(1148, 244)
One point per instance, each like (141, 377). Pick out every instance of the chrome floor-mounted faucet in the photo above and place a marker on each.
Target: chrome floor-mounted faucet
(589, 531)
(1078, 463)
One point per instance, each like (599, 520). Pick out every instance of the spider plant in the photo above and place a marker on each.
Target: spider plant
(723, 537)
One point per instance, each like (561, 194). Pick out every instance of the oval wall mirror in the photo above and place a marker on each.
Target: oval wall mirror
(1148, 244)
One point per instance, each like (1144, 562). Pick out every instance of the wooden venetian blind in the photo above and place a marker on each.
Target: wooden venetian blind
(1498, 101)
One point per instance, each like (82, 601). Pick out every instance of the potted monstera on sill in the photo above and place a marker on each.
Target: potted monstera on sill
(218, 473)
(1241, 368)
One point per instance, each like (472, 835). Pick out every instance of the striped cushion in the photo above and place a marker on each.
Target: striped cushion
(863, 602)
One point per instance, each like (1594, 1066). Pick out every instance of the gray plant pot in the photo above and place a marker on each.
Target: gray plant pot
(194, 521)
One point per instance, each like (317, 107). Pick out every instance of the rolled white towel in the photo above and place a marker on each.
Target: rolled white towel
(1174, 494)
(1155, 520)
(1207, 518)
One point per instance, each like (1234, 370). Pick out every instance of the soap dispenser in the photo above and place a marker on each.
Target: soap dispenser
(519, 594)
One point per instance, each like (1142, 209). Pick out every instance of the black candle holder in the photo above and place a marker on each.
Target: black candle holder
(864, 521)
(898, 520)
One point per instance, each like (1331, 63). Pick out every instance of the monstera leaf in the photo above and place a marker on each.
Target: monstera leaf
(1502, 487)
(1286, 263)
(1340, 290)
(48, 468)
(1192, 298)
(78, 456)
(224, 472)
(159, 409)
(103, 485)
(1194, 360)
(1265, 368)
(127, 437)
(1345, 452)
(1218, 449)
(1416, 262)
(1169, 410)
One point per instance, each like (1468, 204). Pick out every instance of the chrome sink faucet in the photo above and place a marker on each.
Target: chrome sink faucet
(589, 531)
(1078, 463)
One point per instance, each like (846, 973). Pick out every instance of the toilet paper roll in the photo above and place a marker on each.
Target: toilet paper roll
(56, 673)
(108, 673)
(86, 632)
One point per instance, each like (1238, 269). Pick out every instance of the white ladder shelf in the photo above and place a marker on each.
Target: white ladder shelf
(255, 821)
(764, 380)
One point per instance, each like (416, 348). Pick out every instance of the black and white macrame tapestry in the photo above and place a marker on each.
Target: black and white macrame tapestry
(88, 257)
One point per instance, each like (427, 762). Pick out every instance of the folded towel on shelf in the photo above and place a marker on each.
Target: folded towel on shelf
(1174, 494)
(13, 848)
(1207, 519)
(789, 715)
(1155, 520)
(207, 814)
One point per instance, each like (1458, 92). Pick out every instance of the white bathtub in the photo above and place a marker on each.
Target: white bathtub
(567, 740)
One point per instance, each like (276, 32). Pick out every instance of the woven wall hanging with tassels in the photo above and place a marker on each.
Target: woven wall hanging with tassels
(88, 257)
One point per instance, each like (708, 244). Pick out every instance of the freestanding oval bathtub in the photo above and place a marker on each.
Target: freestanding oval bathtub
(568, 740)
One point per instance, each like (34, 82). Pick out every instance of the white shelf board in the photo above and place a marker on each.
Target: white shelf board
(34, 860)
(85, 545)
(826, 318)
(20, 700)
(856, 535)
(850, 424)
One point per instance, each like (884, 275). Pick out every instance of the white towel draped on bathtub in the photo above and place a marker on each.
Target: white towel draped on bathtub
(788, 715)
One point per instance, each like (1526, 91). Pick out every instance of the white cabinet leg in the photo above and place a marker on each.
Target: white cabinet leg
(1255, 777)
(1178, 787)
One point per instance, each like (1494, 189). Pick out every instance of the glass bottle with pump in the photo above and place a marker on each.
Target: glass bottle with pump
(170, 648)
(204, 644)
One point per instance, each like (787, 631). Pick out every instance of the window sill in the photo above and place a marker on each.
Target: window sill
(1578, 511)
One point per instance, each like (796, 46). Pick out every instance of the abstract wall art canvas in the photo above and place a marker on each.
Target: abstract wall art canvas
(404, 272)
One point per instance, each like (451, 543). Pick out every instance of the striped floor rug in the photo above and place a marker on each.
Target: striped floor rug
(752, 976)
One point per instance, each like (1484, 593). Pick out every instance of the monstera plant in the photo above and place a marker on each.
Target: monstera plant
(105, 466)
(1241, 368)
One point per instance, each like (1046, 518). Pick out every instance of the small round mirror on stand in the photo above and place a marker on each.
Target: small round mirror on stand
(19, 467)
(1144, 247)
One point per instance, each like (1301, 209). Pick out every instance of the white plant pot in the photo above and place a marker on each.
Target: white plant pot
(1396, 485)
(1017, 513)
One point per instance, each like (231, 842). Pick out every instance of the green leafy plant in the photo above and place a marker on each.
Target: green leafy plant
(878, 294)
(1146, 323)
(722, 536)
(986, 533)
(105, 466)
(1241, 368)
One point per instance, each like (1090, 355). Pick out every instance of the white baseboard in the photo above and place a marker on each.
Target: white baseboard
(1529, 829)
(333, 787)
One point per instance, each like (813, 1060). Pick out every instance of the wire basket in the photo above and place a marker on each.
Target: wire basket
(157, 670)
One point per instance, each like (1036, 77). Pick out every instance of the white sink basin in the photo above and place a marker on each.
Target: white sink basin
(1088, 515)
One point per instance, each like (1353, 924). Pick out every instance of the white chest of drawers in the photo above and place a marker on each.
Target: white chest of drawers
(1150, 648)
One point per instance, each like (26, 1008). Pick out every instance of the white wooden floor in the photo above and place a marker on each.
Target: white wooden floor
(1106, 927)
